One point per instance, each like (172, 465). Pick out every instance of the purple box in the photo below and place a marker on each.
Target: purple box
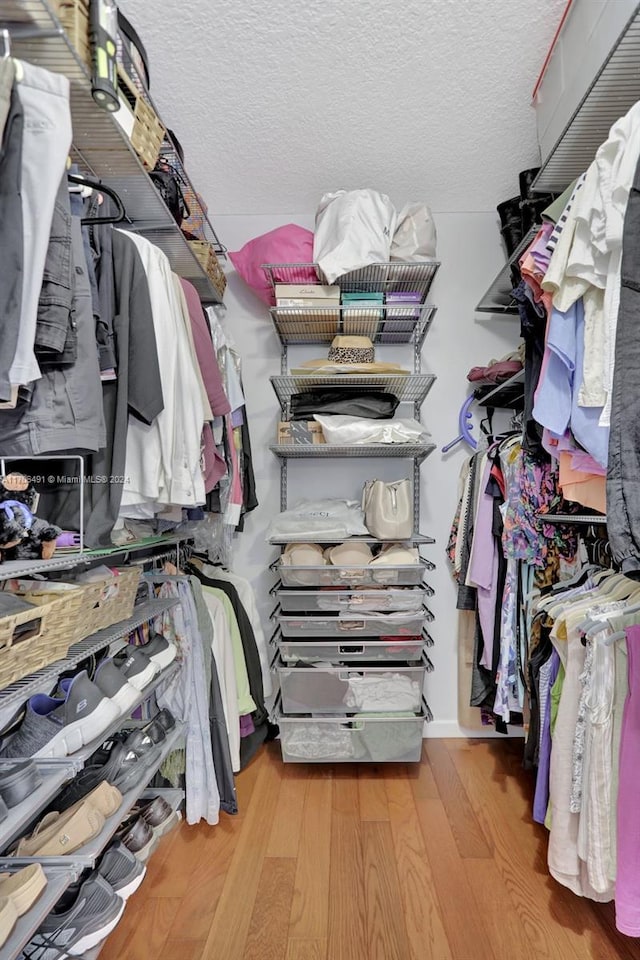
(403, 310)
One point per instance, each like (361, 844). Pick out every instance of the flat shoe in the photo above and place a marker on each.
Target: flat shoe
(23, 887)
(8, 919)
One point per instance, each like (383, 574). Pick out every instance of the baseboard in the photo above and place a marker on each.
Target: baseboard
(439, 729)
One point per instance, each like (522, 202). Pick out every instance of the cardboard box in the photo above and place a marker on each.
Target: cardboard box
(307, 295)
(402, 305)
(307, 432)
(360, 313)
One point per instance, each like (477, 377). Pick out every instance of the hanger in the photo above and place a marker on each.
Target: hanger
(6, 44)
(464, 427)
(101, 188)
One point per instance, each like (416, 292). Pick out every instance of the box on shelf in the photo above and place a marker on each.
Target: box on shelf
(362, 313)
(403, 310)
(306, 295)
(300, 431)
(307, 312)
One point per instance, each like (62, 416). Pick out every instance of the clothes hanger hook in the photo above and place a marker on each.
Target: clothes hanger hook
(6, 44)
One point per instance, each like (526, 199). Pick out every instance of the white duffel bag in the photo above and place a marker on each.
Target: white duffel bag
(354, 229)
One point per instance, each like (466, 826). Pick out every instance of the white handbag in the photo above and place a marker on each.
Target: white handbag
(388, 509)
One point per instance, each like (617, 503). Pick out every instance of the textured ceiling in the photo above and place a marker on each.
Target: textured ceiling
(277, 102)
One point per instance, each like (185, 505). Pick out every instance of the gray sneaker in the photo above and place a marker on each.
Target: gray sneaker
(160, 651)
(94, 914)
(122, 870)
(136, 667)
(55, 727)
(115, 686)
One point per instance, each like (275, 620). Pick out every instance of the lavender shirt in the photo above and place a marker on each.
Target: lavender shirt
(541, 797)
(483, 567)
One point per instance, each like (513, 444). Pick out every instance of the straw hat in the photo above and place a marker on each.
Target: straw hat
(349, 354)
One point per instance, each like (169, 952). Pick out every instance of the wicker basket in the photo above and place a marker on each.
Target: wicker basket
(55, 626)
(112, 600)
(74, 17)
(206, 256)
(147, 133)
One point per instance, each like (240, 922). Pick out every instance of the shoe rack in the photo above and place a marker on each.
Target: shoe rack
(61, 872)
(305, 633)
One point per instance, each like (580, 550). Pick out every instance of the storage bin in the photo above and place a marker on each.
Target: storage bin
(334, 739)
(329, 689)
(206, 256)
(74, 17)
(35, 638)
(351, 650)
(410, 625)
(389, 599)
(333, 576)
(111, 600)
(139, 120)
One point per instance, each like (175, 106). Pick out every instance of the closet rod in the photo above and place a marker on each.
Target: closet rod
(20, 31)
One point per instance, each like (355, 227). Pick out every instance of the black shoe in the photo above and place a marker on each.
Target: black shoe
(166, 719)
(155, 731)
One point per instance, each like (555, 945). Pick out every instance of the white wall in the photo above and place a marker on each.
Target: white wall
(470, 250)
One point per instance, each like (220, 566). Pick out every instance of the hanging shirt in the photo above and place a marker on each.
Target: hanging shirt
(163, 459)
(557, 404)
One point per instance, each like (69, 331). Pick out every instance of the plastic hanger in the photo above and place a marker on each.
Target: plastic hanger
(119, 217)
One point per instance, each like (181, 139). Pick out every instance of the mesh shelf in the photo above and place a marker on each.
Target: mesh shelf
(58, 879)
(611, 94)
(408, 389)
(407, 324)
(416, 539)
(100, 146)
(509, 394)
(68, 560)
(17, 693)
(394, 276)
(498, 297)
(301, 451)
(53, 773)
(594, 519)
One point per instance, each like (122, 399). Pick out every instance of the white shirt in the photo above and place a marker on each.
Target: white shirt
(163, 458)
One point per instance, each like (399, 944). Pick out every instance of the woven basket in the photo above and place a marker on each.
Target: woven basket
(112, 600)
(74, 17)
(55, 626)
(206, 256)
(147, 133)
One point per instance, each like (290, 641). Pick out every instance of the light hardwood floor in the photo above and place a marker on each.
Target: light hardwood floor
(438, 861)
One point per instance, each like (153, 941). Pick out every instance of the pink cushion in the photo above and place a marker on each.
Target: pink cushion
(288, 244)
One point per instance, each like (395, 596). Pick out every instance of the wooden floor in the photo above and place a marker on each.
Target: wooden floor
(432, 862)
